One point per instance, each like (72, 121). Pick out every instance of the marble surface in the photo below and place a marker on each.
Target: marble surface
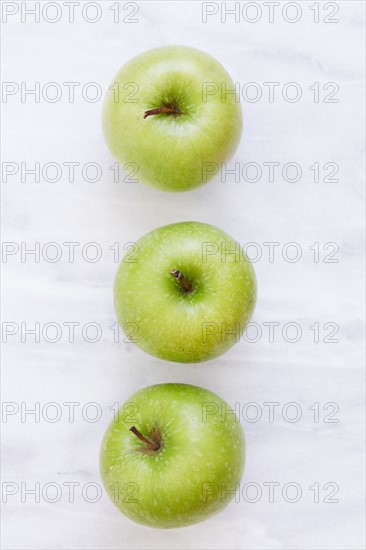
(321, 380)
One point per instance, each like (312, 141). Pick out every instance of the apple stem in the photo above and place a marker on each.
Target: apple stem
(162, 110)
(185, 284)
(154, 446)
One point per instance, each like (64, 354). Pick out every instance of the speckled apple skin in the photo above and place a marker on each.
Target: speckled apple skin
(170, 151)
(170, 324)
(167, 489)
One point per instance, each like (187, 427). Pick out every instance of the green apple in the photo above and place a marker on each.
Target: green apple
(172, 456)
(171, 114)
(185, 293)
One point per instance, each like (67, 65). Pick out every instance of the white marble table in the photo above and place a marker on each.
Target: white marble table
(315, 378)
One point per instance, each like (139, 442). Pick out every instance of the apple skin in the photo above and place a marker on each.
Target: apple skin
(169, 323)
(170, 151)
(200, 445)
